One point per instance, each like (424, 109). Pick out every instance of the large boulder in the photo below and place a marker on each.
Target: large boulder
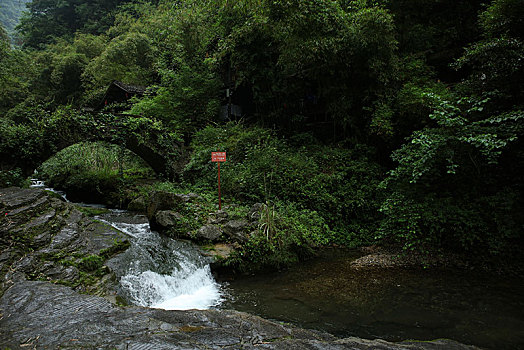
(165, 209)
(237, 230)
(209, 232)
(161, 200)
(138, 204)
(167, 218)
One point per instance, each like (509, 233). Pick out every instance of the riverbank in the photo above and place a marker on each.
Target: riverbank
(37, 224)
(393, 256)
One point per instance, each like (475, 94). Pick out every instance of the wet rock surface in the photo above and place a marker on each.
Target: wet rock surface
(45, 238)
(46, 244)
(209, 232)
(42, 315)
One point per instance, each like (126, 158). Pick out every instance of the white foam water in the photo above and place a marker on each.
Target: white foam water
(196, 290)
(133, 230)
(35, 183)
(162, 273)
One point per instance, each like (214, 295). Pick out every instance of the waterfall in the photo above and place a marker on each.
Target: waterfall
(159, 272)
(156, 271)
(35, 183)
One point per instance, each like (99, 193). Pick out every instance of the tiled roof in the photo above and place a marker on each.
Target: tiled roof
(130, 88)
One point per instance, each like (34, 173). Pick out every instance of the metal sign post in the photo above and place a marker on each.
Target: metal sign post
(218, 157)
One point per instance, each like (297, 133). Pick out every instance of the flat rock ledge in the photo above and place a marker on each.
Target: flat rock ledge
(46, 240)
(35, 314)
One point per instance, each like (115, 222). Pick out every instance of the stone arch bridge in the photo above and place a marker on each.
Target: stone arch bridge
(164, 151)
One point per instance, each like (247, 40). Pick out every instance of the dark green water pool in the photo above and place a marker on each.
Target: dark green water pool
(393, 304)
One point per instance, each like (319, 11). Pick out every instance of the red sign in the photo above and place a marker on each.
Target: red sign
(218, 156)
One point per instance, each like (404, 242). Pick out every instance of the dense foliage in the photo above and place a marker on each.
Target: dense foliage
(49, 20)
(94, 168)
(337, 183)
(398, 120)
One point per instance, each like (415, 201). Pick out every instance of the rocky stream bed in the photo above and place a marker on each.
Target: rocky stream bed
(58, 292)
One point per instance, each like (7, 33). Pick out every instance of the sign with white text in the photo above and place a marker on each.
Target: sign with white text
(218, 156)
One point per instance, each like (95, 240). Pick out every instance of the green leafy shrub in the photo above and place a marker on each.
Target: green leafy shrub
(13, 177)
(92, 166)
(20, 143)
(448, 190)
(339, 184)
(284, 235)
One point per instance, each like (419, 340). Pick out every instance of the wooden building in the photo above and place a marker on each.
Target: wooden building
(117, 95)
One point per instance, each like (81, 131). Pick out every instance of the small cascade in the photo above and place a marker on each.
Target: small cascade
(156, 271)
(159, 272)
(35, 183)
(187, 287)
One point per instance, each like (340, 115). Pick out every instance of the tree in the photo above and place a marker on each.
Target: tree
(436, 30)
(457, 183)
(15, 72)
(4, 42)
(48, 20)
(186, 96)
(496, 64)
(503, 18)
(344, 61)
(60, 68)
(127, 58)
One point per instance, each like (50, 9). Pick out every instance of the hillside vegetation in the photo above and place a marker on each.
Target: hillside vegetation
(390, 121)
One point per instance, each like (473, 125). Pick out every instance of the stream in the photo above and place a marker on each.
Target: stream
(160, 272)
(329, 294)
(326, 293)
